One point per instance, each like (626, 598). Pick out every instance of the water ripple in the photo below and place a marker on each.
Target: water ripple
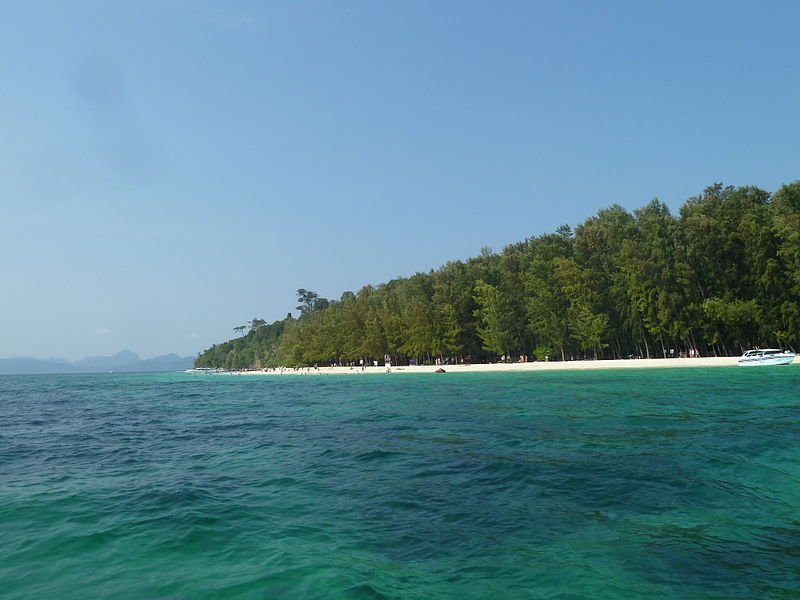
(640, 484)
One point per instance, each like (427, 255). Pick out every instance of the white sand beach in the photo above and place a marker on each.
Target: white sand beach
(578, 365)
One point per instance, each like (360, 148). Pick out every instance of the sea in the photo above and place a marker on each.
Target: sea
(659, 483)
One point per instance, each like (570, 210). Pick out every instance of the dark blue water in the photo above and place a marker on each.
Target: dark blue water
(674, 483)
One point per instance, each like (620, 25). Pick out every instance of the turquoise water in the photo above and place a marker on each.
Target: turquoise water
(667, 483)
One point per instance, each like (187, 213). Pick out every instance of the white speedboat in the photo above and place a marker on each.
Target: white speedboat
(768, 356)
(203, 370)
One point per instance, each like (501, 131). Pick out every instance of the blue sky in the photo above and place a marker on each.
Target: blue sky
(170, 169)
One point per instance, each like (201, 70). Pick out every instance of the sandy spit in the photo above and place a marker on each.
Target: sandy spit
(582, 365)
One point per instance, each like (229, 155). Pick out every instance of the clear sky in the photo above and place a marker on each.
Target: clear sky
(170, 169)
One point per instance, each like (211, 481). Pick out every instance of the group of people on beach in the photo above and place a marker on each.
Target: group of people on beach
(522, 358)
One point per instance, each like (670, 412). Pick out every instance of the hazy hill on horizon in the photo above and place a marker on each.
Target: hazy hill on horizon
(124, 361)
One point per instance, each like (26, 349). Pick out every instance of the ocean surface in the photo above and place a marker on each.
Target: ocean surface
(672, 483)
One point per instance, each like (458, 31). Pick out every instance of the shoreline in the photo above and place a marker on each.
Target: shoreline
(578, 365)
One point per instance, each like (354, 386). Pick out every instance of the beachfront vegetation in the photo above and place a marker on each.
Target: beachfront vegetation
(721, 276)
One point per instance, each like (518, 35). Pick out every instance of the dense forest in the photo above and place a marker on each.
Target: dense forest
(721, 276)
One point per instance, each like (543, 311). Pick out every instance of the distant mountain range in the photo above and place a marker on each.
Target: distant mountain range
(121, 362)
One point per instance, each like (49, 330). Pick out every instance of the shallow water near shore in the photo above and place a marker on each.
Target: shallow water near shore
(674, 483)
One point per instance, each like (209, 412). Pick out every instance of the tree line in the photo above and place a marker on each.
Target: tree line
(721, 276)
